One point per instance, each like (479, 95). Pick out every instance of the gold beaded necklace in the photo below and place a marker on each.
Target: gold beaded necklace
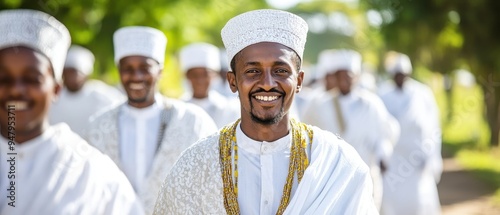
(228, 150)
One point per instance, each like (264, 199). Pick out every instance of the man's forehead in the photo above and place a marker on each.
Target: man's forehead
(138, 59)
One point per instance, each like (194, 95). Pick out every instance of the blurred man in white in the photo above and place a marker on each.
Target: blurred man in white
(81, 98)
(47, 169)
(145, 135)
(267, 162)
(416, 164)
(356, 114)
(200, 62)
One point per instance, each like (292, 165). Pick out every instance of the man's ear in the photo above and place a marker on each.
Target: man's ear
(300, 78)
(57, 90)
(231, 80)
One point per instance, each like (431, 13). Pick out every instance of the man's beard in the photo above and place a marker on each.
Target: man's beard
(270, 120)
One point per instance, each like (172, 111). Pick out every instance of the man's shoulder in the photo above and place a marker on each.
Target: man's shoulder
(337, 147)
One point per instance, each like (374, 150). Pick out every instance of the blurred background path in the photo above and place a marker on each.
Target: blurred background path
(461, 192)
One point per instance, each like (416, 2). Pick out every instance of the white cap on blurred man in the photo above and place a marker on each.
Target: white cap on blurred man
(38, 31)
(333, 60)
(200, 55)
(396, 62)
(140, 41)
(80, 59)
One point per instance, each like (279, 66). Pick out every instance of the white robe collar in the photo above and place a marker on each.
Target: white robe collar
(261, 147)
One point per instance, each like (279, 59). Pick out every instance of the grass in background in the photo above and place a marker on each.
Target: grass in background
(465, 131)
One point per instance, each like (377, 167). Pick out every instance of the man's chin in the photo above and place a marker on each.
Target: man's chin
(137, 100)
(268, 120)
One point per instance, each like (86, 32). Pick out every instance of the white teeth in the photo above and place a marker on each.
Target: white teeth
(266, 98)
(135, 86)
(17, 105)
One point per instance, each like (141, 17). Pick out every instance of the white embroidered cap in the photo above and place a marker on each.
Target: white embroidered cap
(81, 59)
(201, 55)
(332, 60)
(140, 41)
(265, 25)
(38, 31)
(397, 62)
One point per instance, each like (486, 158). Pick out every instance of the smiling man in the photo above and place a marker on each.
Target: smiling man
(200, 62)
(47, 169)
(266, 162)
(145, 135)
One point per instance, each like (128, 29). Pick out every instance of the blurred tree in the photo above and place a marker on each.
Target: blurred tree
(447, 35)
(92, 24)
(339, 25)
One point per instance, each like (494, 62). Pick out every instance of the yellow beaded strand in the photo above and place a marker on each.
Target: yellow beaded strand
(297, 165)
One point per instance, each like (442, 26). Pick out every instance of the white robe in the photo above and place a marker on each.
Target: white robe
(187, 124)
(59, 173)
(336, 181)
(366, 123)
(76, 108)
(416, 164)
(222, 110)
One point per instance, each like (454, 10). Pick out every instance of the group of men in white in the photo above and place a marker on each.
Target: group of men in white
(256, 141)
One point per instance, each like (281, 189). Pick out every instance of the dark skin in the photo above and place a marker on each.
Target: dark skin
(73, 79)
(344, 81)
(265, 71)
(139, 76)
(26, 82)
(399, 78)
(200, 79)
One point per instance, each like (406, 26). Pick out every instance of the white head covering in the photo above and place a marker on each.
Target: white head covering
(141, 41)
(202, 55)
(332, 60)
(38, 31)
(80, 59)
(397, 62)
(265, 25)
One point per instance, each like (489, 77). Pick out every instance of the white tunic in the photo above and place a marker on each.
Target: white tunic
(59, 173)
(222, 110)
(336, 182)
(366, 122)
(415, 166)
(76, 108)
(138, 140)
(187, 124)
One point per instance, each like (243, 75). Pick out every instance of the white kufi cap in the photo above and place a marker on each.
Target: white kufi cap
(265, 25)
(81, 59)
(397, 62)
(200, 55)
(332, 60)
(38, 31)
(140, 41)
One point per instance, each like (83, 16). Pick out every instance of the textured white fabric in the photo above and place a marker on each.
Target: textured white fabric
(333, 60)
(416, 164)
(397, 62)
(59, 173)
(140, 41)
(138, 140)
(222, 110)
(262, 167)
(336, 182)
(80, 59)
(38, 31)
(200, 55)
(187, 124)
(366, 124)
(265, 25)
(75, 109)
